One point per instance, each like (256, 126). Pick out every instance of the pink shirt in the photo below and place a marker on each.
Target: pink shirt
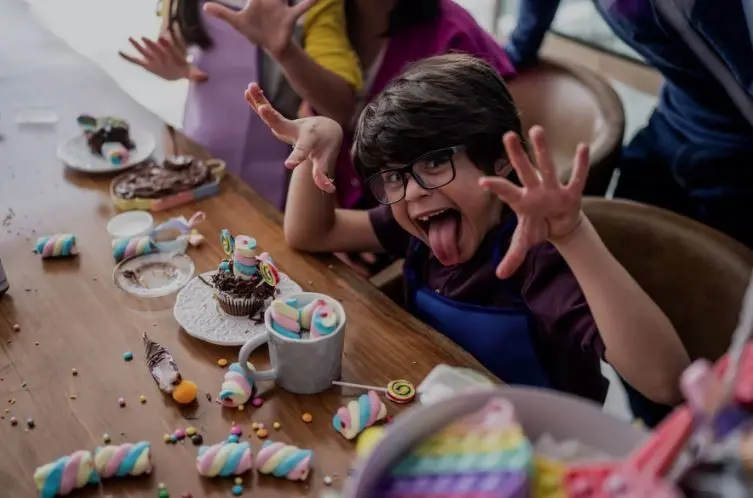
(454, 30)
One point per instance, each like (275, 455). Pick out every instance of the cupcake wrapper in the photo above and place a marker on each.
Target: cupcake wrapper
(236, 306)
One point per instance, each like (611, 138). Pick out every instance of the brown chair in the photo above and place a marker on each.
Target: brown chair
(574, 104)
(695, 274)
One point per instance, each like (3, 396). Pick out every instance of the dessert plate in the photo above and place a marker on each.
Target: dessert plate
(75, 153)
(154, 275)
(197, 312)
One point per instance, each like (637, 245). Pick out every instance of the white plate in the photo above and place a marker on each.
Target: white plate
(75, 153)
(154, 275)
(197, 312)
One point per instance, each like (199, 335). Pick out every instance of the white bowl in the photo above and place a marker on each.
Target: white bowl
(539, 411)
(130, 224)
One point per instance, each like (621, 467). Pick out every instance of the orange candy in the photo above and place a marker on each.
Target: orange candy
(185, 392)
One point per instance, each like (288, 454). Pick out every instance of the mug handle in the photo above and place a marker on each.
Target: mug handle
(246, 351)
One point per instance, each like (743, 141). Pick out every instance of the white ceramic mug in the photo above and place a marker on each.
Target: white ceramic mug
(301, 366)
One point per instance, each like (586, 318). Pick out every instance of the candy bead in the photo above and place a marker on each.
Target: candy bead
(16, 327)
(106, 438)
(190, 431)
(168, 438)
(307, 417)
(163, 493)
(30, 423)
(327, 480)
(232, 438)
(257, 402)
(173, 438)
(123, 460)
(237, 490)
(222, 362)
(180, 434)
(238, 480)
(276, 426)
(357, 415)
(56, 246)
(13, 421)
(66, 474)
(237, 388)
(197, 439)
(284, 460)
(224, 459)
(262, 433)
(236, 430)
(74, 372)
(121, 402)
(127, 356)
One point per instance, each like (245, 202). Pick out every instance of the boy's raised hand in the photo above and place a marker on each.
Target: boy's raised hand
(546, 209)
(316, 138)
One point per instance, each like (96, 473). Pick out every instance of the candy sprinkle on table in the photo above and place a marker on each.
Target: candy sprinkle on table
(257, 401)
(222, 362)
(142, 399)
(127, 356)
(237, 490)
(74, 372)
(307, 417)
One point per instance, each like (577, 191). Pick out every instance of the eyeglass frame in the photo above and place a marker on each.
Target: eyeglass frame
(408, 168)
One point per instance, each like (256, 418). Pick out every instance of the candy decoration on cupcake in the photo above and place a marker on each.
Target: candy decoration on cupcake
(224, 459)
(357, 415)
(398, 391)
(123, 249)
(123, 460)
(65, 474)
(237, 388)
(284, 460)
(60, 245)
(269, 273)
(227, 241)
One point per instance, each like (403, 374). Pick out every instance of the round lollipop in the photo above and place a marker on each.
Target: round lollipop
(269, 273)
(227, 241)
(398, 391)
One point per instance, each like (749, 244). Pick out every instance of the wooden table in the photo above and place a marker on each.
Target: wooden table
(72, 316)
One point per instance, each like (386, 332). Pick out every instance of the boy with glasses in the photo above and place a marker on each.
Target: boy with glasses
(430, 148)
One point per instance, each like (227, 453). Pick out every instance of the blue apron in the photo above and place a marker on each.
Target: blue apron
(497, 337)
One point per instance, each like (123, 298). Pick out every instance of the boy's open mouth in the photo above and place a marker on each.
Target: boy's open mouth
(442, 229)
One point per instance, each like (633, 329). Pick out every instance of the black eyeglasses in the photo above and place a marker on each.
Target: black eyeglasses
(432, 170)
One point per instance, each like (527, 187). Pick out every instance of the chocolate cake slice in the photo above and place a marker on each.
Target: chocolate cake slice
(154, 181)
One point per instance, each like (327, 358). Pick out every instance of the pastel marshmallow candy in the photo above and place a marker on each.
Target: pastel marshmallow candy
(115, 153)
(66, 474)
(245, 246)
(307, 312)
(324, 322)
(351, 419)
(56, 246)
(237, 388)
(284, 460)
(224, 459)
(123, 460)
(242, 271)
(285, 316)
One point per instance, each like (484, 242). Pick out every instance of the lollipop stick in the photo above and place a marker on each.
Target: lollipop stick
(359, 386)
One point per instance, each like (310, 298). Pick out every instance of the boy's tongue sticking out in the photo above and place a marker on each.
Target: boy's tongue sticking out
(444, 236)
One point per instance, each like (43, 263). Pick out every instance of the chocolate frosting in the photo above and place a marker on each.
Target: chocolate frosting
(152, 181)
(107, 129)
(255, 288)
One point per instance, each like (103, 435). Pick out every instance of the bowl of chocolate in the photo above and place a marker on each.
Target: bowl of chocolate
(156, 187)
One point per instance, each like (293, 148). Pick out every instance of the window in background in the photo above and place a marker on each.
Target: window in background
(577, 20)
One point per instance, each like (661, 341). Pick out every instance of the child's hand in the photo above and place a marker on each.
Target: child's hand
(266, 23)
(546, 209)
(316, 139)
(163, 58)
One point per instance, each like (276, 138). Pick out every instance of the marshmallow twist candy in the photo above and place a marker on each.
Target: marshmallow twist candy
(324, 322)
(236, 388)
(123, 249)
(357, 415)
(224, 459)
(66, 474)
(115, 153)
(123, 460)
(307, 312)
(56, 246)
(284, 460)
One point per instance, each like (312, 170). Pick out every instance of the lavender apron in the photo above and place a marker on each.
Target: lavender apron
(219, 119)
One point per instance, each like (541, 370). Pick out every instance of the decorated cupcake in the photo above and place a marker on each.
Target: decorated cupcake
(245, 284)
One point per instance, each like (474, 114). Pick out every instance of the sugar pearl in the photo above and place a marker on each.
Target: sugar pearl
(307, 417)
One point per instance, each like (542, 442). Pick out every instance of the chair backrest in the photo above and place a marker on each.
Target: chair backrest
(578, 105)
(695, 274)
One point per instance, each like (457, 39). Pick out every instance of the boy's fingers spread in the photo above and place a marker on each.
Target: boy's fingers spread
(513, 259)
(502, 187)
(580, 169)
(544, 161)
(519, 160)
(255, 96)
